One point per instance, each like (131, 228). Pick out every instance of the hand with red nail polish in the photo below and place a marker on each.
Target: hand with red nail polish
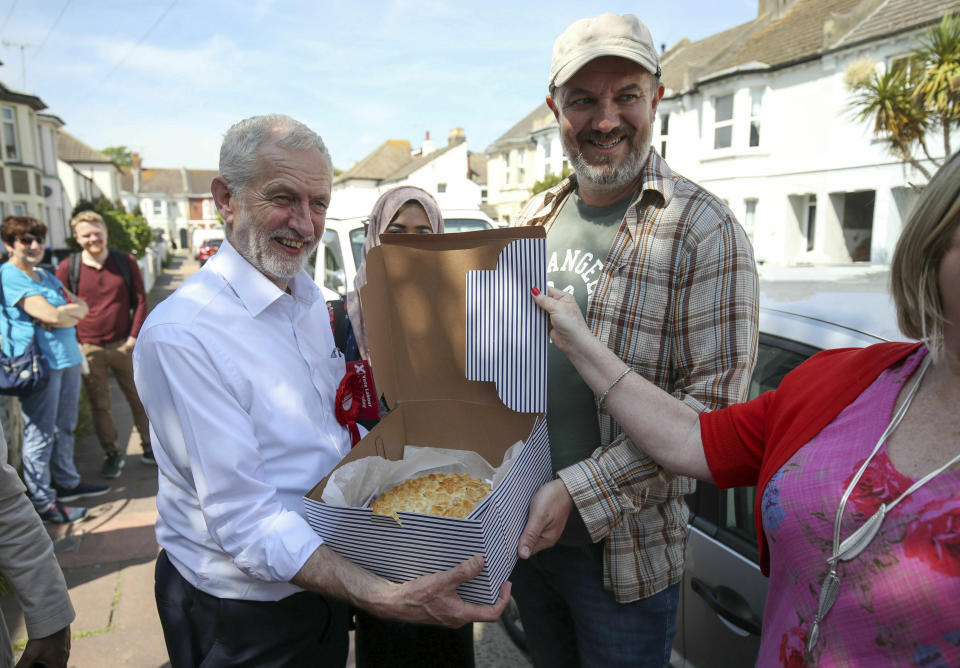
(535, 290)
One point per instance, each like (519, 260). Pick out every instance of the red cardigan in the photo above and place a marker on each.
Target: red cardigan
(746, 444)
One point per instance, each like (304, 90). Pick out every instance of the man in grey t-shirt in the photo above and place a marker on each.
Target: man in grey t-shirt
(666, 279)
(577, 247)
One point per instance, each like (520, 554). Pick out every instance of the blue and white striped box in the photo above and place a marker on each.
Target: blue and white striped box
(459, 351)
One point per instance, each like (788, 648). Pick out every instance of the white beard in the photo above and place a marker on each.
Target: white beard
(252, 242)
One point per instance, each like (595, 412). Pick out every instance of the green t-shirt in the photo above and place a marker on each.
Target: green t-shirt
(577, 247)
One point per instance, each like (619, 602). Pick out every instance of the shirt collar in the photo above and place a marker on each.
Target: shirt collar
(657, 176)
(255, 290)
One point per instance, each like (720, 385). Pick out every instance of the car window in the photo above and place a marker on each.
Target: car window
(357, 237)
(334, 276)
(453, 225)
(776, 357)
(731, 510)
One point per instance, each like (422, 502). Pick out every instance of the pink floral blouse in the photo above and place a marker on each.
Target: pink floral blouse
(899, 602)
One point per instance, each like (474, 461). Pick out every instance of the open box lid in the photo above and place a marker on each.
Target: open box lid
(443, 311)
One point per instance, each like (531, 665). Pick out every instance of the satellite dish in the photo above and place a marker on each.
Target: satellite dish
(47, 191)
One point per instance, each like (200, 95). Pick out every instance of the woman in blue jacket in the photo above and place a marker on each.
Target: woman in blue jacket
(35, 303)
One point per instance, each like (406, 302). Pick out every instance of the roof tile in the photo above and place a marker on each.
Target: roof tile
(380, 163)
(70, 149)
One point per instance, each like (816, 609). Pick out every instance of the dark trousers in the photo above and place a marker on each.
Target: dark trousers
(304, 629)
(571, 621)
(388, 643)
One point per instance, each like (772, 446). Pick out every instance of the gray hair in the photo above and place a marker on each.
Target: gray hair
(238, 153)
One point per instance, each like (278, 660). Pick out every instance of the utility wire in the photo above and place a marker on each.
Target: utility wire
(135, 46)
(7, 17)
(50, 32)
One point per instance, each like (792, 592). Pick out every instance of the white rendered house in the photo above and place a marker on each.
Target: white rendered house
(759, 114)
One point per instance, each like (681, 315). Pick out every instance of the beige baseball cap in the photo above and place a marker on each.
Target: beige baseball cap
(606, 35)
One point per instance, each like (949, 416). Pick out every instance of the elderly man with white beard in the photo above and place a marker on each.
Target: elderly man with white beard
(238, 372)
(665, 277)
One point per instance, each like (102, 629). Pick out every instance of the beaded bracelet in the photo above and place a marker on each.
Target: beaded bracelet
(603, 396)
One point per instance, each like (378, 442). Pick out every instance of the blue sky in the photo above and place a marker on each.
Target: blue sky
(168, 77)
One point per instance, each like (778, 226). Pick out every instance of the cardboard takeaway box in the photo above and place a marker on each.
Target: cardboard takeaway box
(459, 351)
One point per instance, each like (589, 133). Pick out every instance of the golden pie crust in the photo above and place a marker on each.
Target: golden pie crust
(443, 494)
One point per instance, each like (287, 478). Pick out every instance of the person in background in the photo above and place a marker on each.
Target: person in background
(856, 459)
(382, 643)
(31, 570)
(665, 276)
(403, 210)
(238, 373)
(111, 284)
(35, 303)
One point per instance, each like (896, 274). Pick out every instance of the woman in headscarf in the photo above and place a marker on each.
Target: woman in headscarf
(382, 643)
(403, 210)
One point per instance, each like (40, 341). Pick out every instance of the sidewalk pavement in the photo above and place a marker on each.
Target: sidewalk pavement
(108, 558)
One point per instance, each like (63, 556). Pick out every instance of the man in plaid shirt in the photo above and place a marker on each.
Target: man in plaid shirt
(666, 279)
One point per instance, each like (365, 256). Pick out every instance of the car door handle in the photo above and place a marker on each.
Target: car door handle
(730, 606)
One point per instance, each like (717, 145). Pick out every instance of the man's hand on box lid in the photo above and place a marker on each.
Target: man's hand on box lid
(549, 510)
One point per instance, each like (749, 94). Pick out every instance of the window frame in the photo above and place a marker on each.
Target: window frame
(912, 66)
(750, 216)
(724, 124)
(756, 113)
(12, 123)
(664, 129)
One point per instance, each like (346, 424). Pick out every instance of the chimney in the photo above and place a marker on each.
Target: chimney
(457, 136)
(775, 8)
(135, 168)
(427, 147)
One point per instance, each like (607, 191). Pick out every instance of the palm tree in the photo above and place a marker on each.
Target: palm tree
(907, 100)
(897, 117)
(939, 86)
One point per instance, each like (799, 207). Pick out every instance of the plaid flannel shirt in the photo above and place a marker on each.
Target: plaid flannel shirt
(677, 301)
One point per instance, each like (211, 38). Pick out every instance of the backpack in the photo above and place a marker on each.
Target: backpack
(123, 264)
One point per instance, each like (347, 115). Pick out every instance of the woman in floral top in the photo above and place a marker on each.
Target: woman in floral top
(856, 457)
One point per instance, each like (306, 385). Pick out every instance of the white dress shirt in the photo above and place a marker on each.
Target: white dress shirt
(239, 379)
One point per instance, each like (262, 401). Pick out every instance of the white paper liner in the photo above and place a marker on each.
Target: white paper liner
(357, 483)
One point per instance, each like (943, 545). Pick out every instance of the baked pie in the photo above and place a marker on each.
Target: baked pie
(443, 494)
